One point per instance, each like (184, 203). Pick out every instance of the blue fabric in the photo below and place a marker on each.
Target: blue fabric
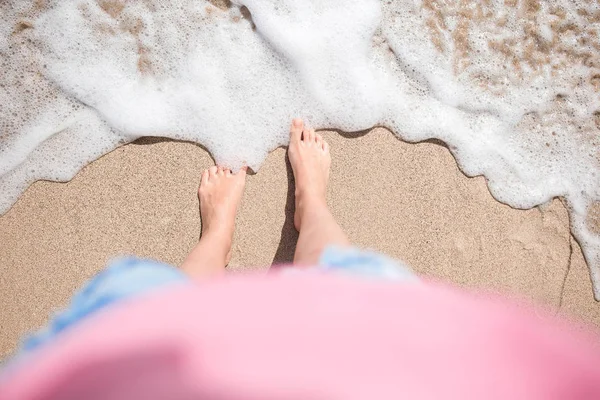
(124, 278)
(367, 264)
(131, 277)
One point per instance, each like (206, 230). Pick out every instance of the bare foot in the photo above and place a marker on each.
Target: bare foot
(310, 159)
(220, 194)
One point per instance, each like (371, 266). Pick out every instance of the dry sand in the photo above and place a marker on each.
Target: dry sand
(408, 200)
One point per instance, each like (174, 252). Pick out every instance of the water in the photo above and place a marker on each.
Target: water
(513, 87)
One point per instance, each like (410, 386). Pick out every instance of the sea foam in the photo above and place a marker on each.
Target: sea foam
(512, 87)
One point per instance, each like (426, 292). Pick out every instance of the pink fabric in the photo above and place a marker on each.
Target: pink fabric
(311, 337)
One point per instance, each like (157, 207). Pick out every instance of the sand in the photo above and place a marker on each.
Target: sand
(408, 200)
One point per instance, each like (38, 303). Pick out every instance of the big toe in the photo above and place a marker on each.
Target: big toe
(296, 130)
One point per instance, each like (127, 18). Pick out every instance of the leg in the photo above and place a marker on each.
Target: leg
(310, 159)
(220, 194)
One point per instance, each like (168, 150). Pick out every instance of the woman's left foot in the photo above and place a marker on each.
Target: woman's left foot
(220, 194)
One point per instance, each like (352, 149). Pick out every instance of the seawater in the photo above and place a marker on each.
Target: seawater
(512, 86)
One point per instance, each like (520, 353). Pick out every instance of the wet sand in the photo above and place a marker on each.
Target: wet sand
(408, 200)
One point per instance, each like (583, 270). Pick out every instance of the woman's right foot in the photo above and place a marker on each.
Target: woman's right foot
(220, 194)
(310, 159)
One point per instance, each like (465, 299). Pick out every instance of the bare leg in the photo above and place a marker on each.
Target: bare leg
(220, 194)
(310, 159)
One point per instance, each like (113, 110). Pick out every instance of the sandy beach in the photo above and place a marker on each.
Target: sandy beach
(407, 200)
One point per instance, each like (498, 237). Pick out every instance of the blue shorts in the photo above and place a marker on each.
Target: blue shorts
(132, 277)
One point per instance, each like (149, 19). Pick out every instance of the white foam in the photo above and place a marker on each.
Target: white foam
(509, 89)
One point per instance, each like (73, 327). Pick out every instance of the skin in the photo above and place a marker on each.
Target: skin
(221, 192)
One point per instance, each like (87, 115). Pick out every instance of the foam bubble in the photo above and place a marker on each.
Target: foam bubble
(511, 87)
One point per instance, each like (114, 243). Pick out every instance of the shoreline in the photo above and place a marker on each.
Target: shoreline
(415, 204)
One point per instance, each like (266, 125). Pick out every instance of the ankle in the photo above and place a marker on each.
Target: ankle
(310, 205)
(220, 238)
(310, 198)
(309, 208)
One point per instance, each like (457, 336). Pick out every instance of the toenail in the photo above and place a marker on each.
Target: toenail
(297, 122)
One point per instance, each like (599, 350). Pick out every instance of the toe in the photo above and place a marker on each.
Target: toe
(311, 136)
(227, 172)
(212, 171)
(325, 146)
(204, 179)
(220, 171)
(305, 134)
(240, 176)
(319, 140)
(296, 130)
